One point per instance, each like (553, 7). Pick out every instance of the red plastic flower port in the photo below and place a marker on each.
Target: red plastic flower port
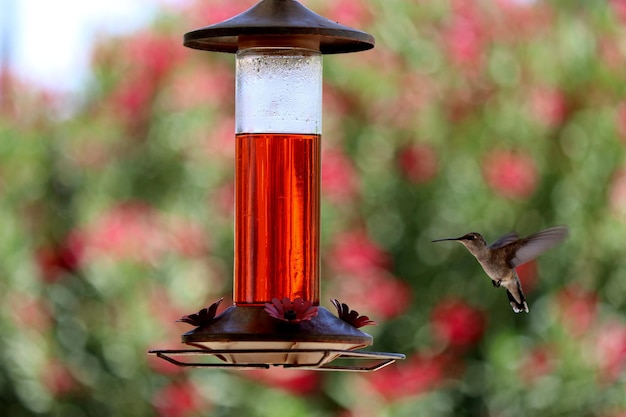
(202, 317)
(350, 316)
(292, 312)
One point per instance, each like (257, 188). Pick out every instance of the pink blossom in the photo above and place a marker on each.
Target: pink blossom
(619, 8)
(363, 268)
(223, 198)
(150, 57)
(132, 98)
(532, 19)
(163, 311)
(136, 231)
(510, 174)
(349, 12)
(610, 350)
(202, 86)
(207, 13)
(457, 324)
(218, 143)
(377, 291)
(418, 374)
(29, 311)
(339, 180)
(537, 362)
(617, 193)
(179, 399)
(610, 53)
(58, 379)
(293, 381)
(128, 231)
(464, 36)
(354, 253)
(418, 163)
(186, 238)
(56, 260)
(548, 106)
(576, 309)
(155, 53)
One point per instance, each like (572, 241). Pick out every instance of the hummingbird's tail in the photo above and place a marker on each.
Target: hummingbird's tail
(518, 305)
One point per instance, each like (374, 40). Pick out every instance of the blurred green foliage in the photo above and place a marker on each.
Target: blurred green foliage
(486, 116)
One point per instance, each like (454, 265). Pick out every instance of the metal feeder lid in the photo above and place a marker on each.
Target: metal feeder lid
(278, 22)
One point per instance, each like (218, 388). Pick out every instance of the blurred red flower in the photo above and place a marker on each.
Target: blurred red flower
(132, 98)
(163, 311)
(548, 106)
(464, 37)
(294, 381)
(136, 231)
(56, 260)
(576, 309)
(211, 84)
(610, 350)
(218, 142)
(154, 53)
(510, 174)
(619, 8)
(150, 57)
(418, 163)
(349, 12)
(536, 363)
(58, 379)
(617, 193)
(209, 12)
(457, 324)
(353, 252)
(223, 199)
(420, 373)
(378, 292)
(28, 311)
(362, 266)
(179, 399)
(339, 179)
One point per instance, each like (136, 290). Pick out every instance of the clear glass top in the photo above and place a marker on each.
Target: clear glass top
(278, 90)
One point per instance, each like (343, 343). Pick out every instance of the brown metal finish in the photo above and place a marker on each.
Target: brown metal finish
(253, 324)
(279, 23)
(249, 335)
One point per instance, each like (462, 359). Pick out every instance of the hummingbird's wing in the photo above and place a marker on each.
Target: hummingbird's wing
(504, 240)
(528, 248)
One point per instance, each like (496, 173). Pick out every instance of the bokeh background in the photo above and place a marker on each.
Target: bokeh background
(116, 216)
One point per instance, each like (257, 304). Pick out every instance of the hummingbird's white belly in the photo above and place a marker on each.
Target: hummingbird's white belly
(497, 273)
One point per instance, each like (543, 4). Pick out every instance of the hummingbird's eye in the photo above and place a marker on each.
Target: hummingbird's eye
(471, 237)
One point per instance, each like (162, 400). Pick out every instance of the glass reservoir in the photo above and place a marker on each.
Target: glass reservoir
(277, 210)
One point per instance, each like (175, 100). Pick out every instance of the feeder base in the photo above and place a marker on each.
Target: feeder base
(249, 335)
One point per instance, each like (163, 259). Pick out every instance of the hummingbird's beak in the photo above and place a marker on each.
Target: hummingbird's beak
(449, 238)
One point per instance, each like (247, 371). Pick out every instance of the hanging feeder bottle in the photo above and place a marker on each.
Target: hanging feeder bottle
(276, 318)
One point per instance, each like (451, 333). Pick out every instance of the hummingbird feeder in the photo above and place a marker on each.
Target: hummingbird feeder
(276, 319)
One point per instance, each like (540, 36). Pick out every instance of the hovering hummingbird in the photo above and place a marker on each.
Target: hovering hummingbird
(500, 259)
